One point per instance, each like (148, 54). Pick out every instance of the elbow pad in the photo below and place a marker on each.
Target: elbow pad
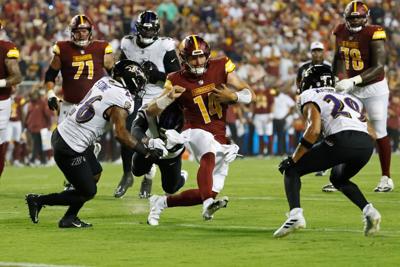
(243, 96)
(51, 75)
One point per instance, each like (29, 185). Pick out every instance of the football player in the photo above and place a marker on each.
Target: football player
(166, 129)
(263, 116)
(347, 147)
(110, 99)
(10, 75)
(158, 57)
(82, 61)
(200, 88)
(317, 58)
(359, 62)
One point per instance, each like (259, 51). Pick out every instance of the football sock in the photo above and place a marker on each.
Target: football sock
(126, 156)
(270, 144)
(384, 151)
(260, 145)
(189, 197)
(205, 175)
(292, 189)
(352, 192)
(3, 148)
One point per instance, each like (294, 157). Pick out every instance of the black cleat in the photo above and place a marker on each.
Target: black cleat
(73, 222)
(145, 188)
(33, 206)
(124, 184)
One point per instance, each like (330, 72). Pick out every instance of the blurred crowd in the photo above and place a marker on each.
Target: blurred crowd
(267, 40)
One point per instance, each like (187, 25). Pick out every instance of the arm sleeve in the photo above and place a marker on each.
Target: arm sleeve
(139, 126)
(171, 62)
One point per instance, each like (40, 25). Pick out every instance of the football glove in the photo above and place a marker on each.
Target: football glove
(346, 85)
(173, 138)
(230, 153)
(52, 100)
(285, 164)
(157, 144)
(152, 72)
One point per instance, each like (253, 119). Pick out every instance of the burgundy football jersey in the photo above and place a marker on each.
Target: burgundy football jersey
(7, 51)
(80, 67)
(264, 101)
(200, 107)
(16, 108)
(354, 48)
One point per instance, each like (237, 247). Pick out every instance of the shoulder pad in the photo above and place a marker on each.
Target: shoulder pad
(128, 37)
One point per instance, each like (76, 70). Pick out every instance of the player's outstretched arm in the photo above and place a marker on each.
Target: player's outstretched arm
(170, 93)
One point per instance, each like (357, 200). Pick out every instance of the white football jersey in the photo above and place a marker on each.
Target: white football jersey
(339, 112)
(87, 120)
(154, 53)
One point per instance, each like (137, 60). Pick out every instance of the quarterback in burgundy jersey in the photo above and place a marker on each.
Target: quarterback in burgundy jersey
(201, 89)
(359, 62)
(81, 61)
(10, 75)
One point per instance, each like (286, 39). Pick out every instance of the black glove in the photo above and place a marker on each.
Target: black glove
(286, 164)
(154, 154)
(52, 102)
(152, 72)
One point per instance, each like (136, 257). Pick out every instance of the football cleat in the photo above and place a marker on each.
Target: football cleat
(147, 183)
(372, 220)
(73, 222)
(295, 221)
(210, 209)
(34, 206)
(385, 185)
(157, 205)
(124, 184)
(68, 186)
(321, 173)
(329, 188)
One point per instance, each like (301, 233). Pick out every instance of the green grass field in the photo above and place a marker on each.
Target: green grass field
(240, 235)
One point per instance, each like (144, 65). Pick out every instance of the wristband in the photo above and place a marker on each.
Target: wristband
(163, 102)
(356, 79)
(243, 96)
(3, 83)
(305, 143)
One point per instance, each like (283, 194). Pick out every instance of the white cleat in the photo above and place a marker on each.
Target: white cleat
(329, 188)
(372, 220)
(213, 206)
(295, 221)
(157, 205)
(385, 185)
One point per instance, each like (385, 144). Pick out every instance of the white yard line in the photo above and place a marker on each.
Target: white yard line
(328, 199)
(262, 229)
(29, 264)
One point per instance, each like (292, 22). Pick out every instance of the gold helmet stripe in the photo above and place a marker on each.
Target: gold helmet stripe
(81, 18)
(355, 6)
(196, 45)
